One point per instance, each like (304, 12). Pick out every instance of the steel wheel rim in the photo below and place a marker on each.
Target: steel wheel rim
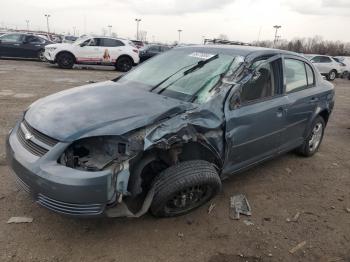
(316, 137)
(188, 199)
(332, 76)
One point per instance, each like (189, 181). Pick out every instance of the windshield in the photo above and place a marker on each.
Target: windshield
(182, 73)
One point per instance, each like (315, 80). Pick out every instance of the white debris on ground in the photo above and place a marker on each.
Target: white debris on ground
(17, 220)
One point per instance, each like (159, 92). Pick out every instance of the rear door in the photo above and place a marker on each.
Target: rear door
(10, 45)
(112, 49)
(302, 100)
(32, 45)
(255, 118)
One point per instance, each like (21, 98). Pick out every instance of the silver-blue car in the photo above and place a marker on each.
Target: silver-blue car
(162, 137)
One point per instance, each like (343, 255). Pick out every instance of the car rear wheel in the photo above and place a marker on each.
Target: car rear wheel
(65, 60)
(124, 64)
(41, 56)
(332, 75)
(184, 187)
(314, 138)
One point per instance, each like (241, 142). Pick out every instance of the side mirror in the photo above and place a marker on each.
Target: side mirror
(82, 44)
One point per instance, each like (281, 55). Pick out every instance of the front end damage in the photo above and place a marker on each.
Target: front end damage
(134, 159)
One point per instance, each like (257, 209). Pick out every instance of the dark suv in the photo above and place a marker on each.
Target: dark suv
(163, 136)
(19, 45)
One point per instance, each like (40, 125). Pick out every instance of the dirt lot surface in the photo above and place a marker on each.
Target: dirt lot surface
(316, 188)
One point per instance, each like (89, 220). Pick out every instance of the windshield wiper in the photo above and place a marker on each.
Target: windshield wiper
(195, 66)
(201, 64)
(167, 78)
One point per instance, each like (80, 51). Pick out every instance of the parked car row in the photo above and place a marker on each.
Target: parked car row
(118, 52)
(121, 53)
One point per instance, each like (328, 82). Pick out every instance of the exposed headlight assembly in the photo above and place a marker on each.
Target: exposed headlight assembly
(98, 153)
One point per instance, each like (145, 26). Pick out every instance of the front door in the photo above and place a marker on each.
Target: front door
(89, 52)
(255, 118)
(10, 45)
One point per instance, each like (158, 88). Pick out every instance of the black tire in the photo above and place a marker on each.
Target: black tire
(332, 75)
(197, 181)
(306, 149)
(124, 64)
(65, 60)
(349, 76)
(41, 56)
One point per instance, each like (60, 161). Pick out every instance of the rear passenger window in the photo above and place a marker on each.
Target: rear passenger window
(295, 75)
(110, 42)
(310, 75)
(325, 59)
(261, 86)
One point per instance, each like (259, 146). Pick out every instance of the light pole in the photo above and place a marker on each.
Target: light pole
(138, 20)
(110, 30)
(74, 30)
(203, 39)
(47, 22)
(27, 21)
(276, 36)
(180, 30)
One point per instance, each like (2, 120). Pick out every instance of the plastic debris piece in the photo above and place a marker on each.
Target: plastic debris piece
(180, 235)
(248, 222)
(239, 205)
(295, 218)
(17, 220)
(297, 247)
(211, 207)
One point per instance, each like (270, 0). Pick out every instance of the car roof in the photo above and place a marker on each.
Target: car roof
(240, 50)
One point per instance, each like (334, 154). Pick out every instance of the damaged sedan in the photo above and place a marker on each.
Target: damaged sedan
(162, 137)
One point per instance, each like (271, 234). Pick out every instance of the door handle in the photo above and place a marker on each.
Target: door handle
(314, 100)
(281, 110)
(16, 44)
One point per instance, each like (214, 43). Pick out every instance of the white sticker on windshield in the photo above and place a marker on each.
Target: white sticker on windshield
(204, 56)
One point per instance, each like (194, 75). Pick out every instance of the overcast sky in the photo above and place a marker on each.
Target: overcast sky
(240, 20)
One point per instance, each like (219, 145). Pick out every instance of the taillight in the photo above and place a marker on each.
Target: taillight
(136, 51)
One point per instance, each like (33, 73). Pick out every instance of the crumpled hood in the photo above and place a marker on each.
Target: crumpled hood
(106, 108)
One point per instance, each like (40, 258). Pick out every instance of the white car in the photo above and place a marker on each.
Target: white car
(120, 53)
(344, 60)
(326, 65)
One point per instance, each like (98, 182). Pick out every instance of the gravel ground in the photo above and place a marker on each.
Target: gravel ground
(316, 190)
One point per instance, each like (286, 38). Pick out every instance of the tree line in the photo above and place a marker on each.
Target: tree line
(313, 45)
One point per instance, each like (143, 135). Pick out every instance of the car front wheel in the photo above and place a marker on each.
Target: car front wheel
(331, 75)
(314, 138)
(184, 187)
(65, 60)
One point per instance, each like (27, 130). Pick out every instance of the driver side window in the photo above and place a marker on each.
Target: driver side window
(260, 86)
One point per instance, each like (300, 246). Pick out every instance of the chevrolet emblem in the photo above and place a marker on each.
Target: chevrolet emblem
(28, 136)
